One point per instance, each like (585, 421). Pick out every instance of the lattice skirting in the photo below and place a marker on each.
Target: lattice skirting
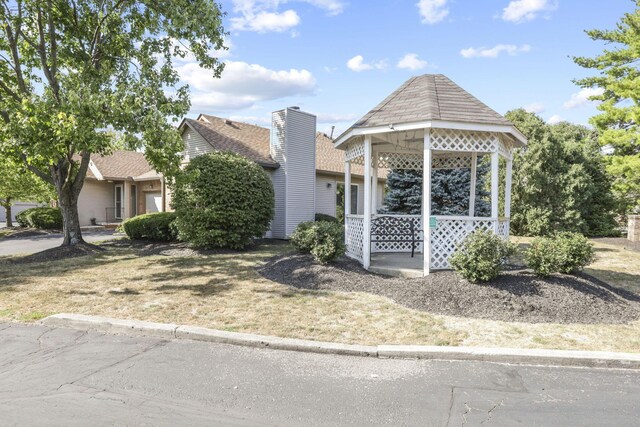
(405, 244)
(450, 232)
(354, 235)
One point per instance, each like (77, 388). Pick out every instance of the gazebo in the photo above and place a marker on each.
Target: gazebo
(428, 123)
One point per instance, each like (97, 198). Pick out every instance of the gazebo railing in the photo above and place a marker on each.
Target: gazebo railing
(354, 236)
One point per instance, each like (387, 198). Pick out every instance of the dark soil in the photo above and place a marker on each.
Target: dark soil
(178, 249)
(516, 296)
(29, 232)
(60, 252)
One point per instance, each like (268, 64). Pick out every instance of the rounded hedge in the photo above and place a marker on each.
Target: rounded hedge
(481, 255)
(561, 253)
(324, 240)
(45, 218)
(222, 200)
(151, 226)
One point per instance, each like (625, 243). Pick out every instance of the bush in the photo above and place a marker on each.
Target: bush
(322, 239)
(44, 218)
(222, 200)
(151, 226)
(480, 256)
(561, 253)
(325, 217)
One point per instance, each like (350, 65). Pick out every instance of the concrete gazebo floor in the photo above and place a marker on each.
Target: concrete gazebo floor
(399, 264)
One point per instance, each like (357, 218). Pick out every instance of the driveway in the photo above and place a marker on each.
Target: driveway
(68, 377)
(29, 245)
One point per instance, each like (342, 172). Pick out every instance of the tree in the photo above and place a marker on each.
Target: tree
(16, 183)
(78, 76)
(559, 180)
(617, 86)
(449, 191)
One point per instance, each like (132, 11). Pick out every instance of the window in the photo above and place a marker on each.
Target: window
(118, 201)
(354, 199)
(340, 200)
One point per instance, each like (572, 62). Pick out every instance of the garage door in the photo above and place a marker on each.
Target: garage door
(154, 202)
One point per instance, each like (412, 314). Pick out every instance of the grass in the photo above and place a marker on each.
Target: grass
(224, 291)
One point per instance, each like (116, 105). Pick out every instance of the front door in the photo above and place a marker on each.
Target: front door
(118, 201)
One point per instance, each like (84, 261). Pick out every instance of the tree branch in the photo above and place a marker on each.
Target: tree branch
(78, 181)
(44, 176)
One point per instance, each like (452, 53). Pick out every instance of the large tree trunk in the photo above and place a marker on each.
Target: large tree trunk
(7, 208)
(68, 202)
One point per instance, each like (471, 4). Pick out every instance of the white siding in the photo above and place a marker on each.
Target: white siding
(16, 208)
(194, 144)
(326, 195)
(278, 176)
(300, 165)
(95, 197)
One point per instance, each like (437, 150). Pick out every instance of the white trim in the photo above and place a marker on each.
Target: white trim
(441, 124)
(472, 187)
(507, 190)
(495, 163)
(95, 171)
(366, 238)
(347, 197)
(374, 184)
(426, 202)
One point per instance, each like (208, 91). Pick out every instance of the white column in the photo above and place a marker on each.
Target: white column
(507, 188)
(366, 239)
(495, 163)
(426, 202)
(347, 189)
(374, 184)
(472, 189)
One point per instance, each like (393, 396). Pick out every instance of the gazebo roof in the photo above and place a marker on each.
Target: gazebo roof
(430, 98)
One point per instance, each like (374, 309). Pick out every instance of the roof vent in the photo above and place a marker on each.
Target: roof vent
(295, 107)
(227, 121)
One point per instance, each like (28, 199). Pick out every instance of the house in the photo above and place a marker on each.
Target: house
(120, 186)
(306, 170)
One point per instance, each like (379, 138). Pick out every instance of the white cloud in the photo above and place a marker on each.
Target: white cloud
(411, 62)
(493, 52)
(536, 107)
(432, 11)
(243, 84)
(582, 97)
(357, 64)
(264, 16)
(263, 22)
(554, 119)
(526, 10)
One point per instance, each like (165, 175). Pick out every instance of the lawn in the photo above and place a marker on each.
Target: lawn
(224, 291)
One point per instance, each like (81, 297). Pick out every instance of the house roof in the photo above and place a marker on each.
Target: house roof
(248, 140)
(253, 142)
(119, 165)
(430, 97)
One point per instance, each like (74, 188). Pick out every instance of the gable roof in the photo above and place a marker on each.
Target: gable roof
(247, 140)
(253, 142)
(430, 97)
(120, 165)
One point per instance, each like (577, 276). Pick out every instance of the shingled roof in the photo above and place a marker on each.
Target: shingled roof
(253, 142)
(248, 140)
(120, 165)
(430, 97)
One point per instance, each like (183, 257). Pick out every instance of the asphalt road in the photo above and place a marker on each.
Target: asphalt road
(29, 245)
(67, 377)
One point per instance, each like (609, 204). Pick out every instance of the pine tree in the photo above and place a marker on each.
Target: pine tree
(449, 192)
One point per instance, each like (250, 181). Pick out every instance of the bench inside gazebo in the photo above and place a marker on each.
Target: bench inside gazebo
(428, 123)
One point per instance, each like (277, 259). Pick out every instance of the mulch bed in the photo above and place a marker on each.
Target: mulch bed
(516, 296)
(60, 252)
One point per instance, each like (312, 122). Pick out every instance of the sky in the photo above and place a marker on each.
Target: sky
(339, 58)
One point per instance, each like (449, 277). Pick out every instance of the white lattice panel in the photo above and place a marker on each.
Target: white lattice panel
(459, 140)
(450, 232)
(503, 228)
(411, 161)
(451, 162)
(354, 234)
(355, 152)
(405, 244)
(505, 148)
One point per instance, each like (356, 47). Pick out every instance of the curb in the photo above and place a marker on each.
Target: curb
(574, 358)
